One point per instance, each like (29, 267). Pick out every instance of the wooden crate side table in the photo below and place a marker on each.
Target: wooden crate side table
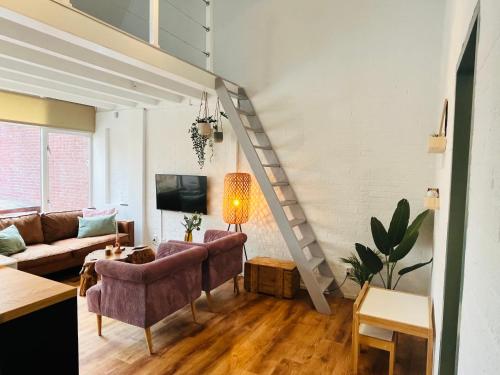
(276, 277)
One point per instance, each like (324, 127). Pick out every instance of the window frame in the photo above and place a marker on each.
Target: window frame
(44, 168)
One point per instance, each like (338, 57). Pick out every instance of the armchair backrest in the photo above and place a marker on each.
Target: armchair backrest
(143, 294)
(225, 257)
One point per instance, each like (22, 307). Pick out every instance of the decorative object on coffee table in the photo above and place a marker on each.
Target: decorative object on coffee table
(277, 277)
(135, 255)
(118, 249)
(236, 201)
(191, 223)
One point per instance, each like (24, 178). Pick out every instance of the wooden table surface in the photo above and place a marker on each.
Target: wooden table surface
(23, 293)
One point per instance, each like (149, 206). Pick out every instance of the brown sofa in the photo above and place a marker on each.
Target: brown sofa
(52, 243)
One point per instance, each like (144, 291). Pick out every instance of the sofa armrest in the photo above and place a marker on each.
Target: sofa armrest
(127, 226)
(173, 247)
(150, 272)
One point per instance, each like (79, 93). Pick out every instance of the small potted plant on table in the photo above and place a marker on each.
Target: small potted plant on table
(191, 223)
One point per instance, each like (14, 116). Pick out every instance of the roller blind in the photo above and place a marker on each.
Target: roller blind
(52, 113)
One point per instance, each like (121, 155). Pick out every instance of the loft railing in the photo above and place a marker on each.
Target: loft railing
(181, 28)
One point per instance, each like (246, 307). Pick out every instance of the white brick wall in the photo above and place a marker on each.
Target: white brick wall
(348, 103)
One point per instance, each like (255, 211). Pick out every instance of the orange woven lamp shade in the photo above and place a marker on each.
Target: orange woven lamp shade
(236, 198)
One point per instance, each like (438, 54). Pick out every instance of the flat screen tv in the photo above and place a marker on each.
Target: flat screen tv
(181, 193)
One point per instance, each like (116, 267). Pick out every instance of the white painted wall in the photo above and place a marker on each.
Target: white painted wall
(169, 151)
(479, 351)
(348, 94)
(118, 165)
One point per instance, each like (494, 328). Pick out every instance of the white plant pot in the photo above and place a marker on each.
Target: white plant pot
(436, 144)
(205, 129)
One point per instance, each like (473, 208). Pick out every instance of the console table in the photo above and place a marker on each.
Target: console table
(38, 325)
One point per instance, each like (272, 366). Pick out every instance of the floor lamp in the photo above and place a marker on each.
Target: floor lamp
(236, 201)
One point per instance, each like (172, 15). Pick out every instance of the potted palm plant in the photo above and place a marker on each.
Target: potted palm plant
(392, 245)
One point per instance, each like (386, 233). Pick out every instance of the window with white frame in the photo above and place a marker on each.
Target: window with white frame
(43, 169)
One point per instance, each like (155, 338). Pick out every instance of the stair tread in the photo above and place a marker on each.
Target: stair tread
(315, 262)
(236, 95)
(324, 282)
(288, 202)
(246, 113)
(255, 130)
(263, 147)
(306, 241)
(295, 222)
(272, 165)
(280, 183)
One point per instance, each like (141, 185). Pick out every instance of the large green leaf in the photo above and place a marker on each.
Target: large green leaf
(404, 271)
(404, 247)
(380, 236)
(369, 258)
(399, 222)
(417, 222)
(409, 238)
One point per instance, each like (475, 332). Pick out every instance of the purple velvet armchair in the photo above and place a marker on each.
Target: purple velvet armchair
(143, 294)
(224, 260)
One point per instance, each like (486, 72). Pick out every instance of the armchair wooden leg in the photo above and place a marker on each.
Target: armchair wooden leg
(193, 311)
(99, 324)
(209, 300)
(149, 339)
(236, 285)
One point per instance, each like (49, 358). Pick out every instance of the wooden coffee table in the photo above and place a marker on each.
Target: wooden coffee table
(135, 255)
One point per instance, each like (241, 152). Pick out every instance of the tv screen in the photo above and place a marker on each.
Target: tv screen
(181, 193)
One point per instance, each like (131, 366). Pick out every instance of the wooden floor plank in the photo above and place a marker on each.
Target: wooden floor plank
(247, 334)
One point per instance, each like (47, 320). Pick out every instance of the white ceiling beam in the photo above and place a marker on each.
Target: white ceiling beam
(154, 22)
(40, 72)
(72, 25)
(47, 93)
(61, 88)
(22, 35)
(40, 59)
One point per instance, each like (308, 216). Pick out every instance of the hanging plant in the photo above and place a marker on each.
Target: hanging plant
(218, 131)
(201, 131)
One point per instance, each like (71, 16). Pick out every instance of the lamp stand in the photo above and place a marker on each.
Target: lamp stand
(237, 228)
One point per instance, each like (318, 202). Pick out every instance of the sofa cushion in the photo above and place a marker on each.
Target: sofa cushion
(11, 241)
(96, 226)
(41, 250)
(82, 243)
(60, 225)
(29, 226)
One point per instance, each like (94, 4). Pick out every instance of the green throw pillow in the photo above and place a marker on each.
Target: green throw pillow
(11, 241)
(96, 226)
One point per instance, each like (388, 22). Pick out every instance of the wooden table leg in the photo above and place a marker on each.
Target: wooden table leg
(88, 278)
(355, 343)
(430, 354)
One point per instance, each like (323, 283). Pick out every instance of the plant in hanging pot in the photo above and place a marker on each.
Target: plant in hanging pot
(190, 224)
(392, 245)
(204, 125)
(218, 131)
